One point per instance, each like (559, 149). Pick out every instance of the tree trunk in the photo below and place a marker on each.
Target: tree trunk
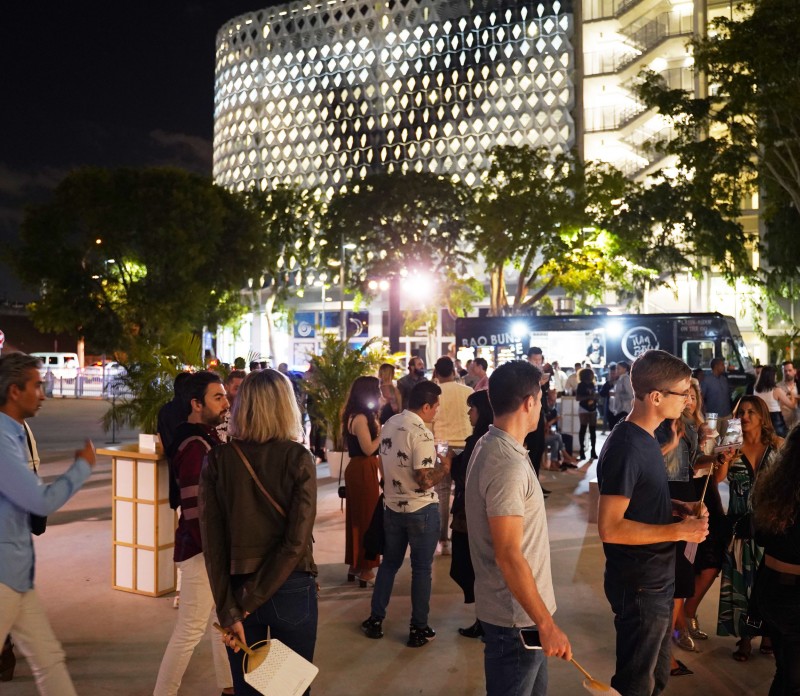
(498, 297)
(269, 305)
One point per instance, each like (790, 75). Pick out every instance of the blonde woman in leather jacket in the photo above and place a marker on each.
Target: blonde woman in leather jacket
(258, 542)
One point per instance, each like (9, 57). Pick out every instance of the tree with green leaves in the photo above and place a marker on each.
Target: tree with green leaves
(402, 224)
(744, 135)
(665, 227)
(128, 254)
(287, 250)
(540, 214)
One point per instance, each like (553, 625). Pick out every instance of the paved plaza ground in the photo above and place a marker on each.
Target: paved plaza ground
(114, 640)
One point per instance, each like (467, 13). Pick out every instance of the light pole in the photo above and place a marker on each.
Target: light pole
(342, 258)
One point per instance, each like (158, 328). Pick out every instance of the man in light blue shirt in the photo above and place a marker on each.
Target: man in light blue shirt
(21, 494)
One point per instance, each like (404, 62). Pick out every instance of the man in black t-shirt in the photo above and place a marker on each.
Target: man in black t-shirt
(635, 523)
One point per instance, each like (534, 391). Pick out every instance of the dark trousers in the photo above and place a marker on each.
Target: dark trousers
(291, 615)
(778, 598)
(642, 619)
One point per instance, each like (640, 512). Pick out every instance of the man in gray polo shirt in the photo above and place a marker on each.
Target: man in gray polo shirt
(508, 540)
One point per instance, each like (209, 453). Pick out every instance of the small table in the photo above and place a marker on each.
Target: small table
(143, 524)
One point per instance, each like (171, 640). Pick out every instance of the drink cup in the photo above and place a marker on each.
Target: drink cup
(711, 420)
(442, 447)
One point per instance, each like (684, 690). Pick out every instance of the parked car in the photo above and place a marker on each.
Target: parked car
(59, 364)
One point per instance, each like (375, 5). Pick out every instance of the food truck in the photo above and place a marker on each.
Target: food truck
(599, 339)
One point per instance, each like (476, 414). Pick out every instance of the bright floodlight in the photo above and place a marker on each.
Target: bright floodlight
(419, 285)
(614, 329)
(518, 329)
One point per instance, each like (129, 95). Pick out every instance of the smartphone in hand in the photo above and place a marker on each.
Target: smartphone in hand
(530, 638)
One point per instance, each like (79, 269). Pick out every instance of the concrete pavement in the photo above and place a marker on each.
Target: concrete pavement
(114, 640)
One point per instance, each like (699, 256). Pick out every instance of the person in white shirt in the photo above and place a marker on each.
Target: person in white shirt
(452, 426)
(411, 516)
(571, 385)
(559, 378)
(623, 393)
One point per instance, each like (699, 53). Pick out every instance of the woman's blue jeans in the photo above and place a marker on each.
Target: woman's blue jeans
(291, 615)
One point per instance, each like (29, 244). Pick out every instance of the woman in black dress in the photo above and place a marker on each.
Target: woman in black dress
(587, 397)
(362, 434)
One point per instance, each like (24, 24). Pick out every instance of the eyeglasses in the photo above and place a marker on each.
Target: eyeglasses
(683, 395)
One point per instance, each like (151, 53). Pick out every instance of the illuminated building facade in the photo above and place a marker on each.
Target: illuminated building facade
(316, 93)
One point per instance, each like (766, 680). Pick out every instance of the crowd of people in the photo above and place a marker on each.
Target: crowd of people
(245, 484)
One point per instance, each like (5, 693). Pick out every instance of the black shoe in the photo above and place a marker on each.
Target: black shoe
(680, 671)
(474, 631)
(417, 637)
(594, 454)
(373, 627)
(8, 661)
(583, 456)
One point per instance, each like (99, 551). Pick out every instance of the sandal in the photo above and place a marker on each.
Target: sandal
(742, 652)
(680, 671)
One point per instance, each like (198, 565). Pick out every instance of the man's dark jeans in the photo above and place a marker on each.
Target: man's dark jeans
(420, 531)
(642, 619)
(511, 669)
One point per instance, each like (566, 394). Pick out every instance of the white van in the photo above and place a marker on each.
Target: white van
(59, 364)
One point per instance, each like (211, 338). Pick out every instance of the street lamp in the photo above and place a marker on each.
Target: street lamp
(342, 322)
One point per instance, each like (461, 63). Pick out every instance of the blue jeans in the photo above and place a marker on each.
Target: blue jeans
(642, 619)
(291, 615)
(420, 531)
(511, 669)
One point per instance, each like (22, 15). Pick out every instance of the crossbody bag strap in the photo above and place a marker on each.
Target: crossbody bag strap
(30, 449)
(256, 479)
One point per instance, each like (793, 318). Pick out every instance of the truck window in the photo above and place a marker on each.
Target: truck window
(731, 355)
(698, 353)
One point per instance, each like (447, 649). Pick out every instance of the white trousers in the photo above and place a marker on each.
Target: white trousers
(22, 615)
(196, 614)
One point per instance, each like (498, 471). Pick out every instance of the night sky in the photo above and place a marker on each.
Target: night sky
(112, 83)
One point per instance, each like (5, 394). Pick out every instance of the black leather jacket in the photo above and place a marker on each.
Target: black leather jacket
(244, 536)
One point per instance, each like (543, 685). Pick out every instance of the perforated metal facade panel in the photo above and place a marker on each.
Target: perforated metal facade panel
(315, 93)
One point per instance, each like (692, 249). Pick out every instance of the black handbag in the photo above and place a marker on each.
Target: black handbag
(38, 522)
(743, 527)
(373, 537)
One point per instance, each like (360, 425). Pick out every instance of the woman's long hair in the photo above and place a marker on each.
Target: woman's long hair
(768, 436)
(363, 399)
(776, 494)
(480, 400)
(265, 409)
(386, 373)
(699, 412)
(767, 379)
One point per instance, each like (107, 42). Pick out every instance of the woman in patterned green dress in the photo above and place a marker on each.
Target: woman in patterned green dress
(743, 555)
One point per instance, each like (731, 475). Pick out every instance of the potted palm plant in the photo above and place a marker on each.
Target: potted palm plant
(334, 369)
(146, 384)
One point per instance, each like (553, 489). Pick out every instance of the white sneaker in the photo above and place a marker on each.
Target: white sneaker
(445, 549)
